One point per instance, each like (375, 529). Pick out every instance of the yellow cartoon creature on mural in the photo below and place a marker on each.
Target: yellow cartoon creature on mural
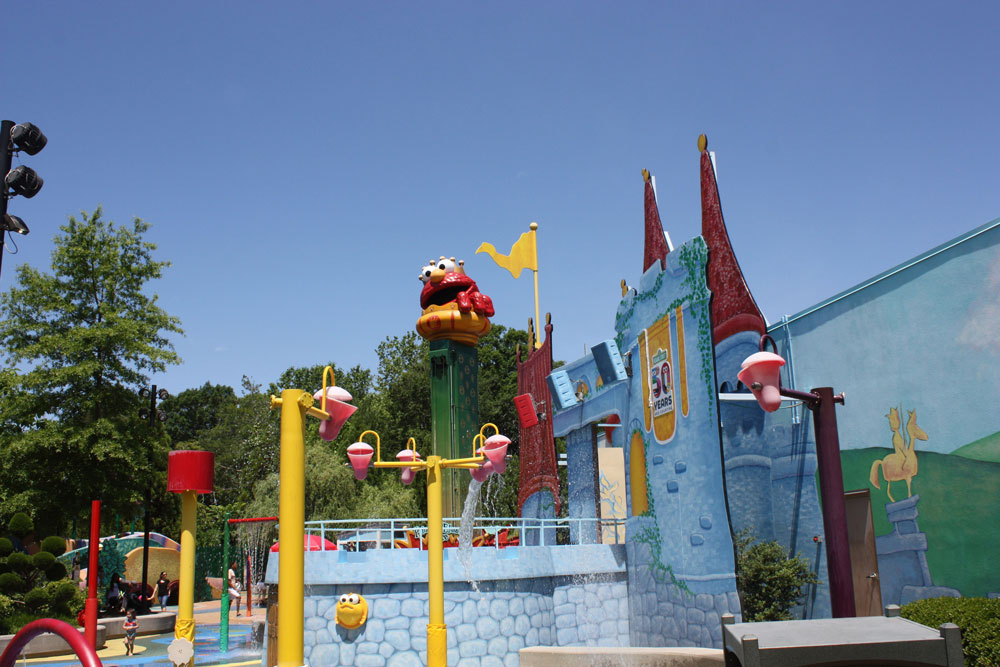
(902, 463)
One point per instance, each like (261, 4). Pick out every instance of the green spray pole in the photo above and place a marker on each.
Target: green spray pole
(454, 414)
(224, 621)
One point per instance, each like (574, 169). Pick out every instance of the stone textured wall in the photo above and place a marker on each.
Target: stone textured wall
(485, 627)
(662, 613)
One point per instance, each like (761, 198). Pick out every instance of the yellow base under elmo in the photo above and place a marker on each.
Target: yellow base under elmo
(447, 321)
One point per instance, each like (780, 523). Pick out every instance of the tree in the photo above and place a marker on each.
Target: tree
(770, 582)
(498, 379)
(196, 411)
(79, 342)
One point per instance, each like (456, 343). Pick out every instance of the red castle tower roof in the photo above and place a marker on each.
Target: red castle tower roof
(655, 247)
(733, 307)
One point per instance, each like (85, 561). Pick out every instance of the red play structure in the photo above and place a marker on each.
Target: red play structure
(85, 652)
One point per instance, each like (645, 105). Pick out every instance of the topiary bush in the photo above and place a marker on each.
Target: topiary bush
(978, 618)
(36, 600)
(19, 562)
(770, 582)
(42, 560)
(6, 547)
(63, 597)
(20, 525)
(54, 544)
(11, 583)
(56, 571)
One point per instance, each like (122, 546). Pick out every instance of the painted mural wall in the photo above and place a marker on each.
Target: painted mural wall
(917, 352)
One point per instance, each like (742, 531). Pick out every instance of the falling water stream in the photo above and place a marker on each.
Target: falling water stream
(465, 531)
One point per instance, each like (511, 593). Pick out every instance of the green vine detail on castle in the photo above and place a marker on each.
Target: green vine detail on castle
(693, 258)
(651, 537)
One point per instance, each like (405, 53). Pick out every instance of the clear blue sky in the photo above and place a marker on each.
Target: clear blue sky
(301, 161)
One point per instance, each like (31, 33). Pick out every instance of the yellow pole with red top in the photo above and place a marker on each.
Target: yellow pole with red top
(189, 473)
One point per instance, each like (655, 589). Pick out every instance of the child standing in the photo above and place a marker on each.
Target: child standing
(234, 586)
(131, 627)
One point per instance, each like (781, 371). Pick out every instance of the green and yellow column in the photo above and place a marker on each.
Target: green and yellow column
(188, 473)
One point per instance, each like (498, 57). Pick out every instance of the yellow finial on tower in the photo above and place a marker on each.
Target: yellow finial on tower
(702, 143)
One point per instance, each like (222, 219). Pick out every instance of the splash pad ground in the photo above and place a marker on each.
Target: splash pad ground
(152, 649)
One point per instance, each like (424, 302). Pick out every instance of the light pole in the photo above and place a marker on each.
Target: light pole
(491, 452)
(761, 372)
(21, 180)
(153, 415)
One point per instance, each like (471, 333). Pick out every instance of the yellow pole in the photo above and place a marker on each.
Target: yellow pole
(291, 529)
(534, 272)
(184, 625)
(437, 631)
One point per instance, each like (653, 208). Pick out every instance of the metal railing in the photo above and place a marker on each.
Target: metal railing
(495, 532)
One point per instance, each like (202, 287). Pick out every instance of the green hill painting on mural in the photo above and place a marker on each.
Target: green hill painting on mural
(984, 449)
(958, 510)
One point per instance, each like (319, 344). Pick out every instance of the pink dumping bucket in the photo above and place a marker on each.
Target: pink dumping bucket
(360, 454)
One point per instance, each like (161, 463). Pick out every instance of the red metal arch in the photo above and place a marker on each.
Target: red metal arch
(84, 651)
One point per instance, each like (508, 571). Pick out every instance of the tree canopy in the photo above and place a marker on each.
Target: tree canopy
(79, 342)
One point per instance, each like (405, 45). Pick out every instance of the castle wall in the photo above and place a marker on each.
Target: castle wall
(523, 596)
(770, 464)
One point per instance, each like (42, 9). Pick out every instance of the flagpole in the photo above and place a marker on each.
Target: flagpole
(534, 248)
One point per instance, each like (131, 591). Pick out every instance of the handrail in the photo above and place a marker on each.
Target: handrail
(383, 533)
(84, 651)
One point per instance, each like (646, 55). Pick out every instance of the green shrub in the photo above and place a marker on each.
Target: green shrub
(770, 582)
(54, 544)
(62, 597)
(19, 562)
(42, 560)
(6, 613)
(978, 618)
(11, 583)
(36, 600)
(6, 547)
(20, 525)
(56, 571)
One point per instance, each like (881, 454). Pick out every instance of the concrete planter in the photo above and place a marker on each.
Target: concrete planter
(51, 644)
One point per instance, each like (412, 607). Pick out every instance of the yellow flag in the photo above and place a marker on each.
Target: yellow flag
(523, 254)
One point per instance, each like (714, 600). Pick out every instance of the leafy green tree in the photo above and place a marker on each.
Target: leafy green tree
(498, 379)
(404, 385)
(770, 582)
(82, 340)
(193, 412)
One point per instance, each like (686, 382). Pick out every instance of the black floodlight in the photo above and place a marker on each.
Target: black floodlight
(163, 394)
(12, 223)
(161, 415)
(143, 413)
(24, 181)
(28, 138)
(144, 392)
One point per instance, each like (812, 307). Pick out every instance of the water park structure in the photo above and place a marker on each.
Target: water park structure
(675, 395)
(701, 460)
